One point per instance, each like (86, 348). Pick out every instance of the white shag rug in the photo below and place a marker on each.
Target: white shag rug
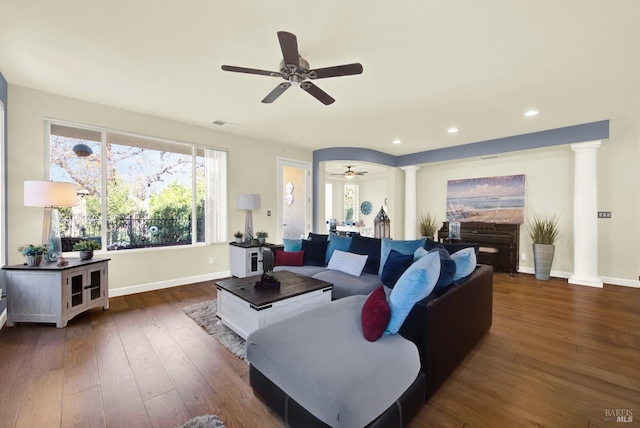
(204, 421)
(204, 314)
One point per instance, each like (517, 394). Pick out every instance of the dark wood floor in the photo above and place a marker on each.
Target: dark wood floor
(558, 355)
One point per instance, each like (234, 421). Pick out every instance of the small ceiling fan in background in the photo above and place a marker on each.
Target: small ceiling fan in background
(349, 173)
(295, 70)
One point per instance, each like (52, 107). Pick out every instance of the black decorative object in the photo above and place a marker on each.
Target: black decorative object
(268, 281)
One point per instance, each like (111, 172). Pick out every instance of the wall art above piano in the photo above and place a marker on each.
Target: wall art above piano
(486, 199)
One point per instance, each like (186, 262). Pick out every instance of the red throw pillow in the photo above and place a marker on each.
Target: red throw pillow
(288, 258)
(375, 315)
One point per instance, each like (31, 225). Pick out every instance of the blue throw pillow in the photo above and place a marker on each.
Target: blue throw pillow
(403, 247)
(451, 248)
(314, 252)
(465, 260)
(396, 264)
(420, 253)
(369, 247)
(337, 242)
(447, 267)
(414, 285)
(291, 245)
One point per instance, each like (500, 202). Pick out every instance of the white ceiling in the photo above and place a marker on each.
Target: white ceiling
(428, 65)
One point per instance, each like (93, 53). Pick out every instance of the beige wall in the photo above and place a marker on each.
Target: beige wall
(549, 189)
(373, 190)
(26, 161)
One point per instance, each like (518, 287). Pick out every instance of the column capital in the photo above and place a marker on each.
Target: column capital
(586, 145)
(410, 168)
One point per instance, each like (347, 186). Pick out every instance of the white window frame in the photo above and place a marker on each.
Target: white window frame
(103, 165)
(356, 206)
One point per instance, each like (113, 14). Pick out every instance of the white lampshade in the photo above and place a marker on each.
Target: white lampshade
(248, 201)
(50, 194)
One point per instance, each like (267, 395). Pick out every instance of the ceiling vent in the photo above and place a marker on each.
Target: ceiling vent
(223, 123)
(489, 157)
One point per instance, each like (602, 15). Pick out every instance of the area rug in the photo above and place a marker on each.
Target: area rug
(204, 421)
(204, 314)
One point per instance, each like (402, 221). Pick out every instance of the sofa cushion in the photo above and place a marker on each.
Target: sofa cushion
(318, 237)
(403, 247)
(288, 258)
(337, 242)
(420, 252)
(370, 247)
(345, 285)
(321, 360)
(395, 266)
(346, 262)
(301, 270)
(447, 267)
(292, 244)
(465, 261)
(375, 315)
(314, 252)
(414, 285)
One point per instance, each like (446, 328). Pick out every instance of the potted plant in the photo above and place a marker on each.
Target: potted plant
(428, 225)
(239, 235)
(543, 231)
(33, 253)
(262, 236)
(86, 249)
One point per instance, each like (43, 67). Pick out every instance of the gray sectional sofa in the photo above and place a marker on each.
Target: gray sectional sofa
(315, 369)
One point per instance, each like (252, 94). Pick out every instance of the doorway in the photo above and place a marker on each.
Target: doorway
(294, 200)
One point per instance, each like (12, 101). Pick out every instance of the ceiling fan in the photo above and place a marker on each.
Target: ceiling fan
(350, 174)
(295, 70)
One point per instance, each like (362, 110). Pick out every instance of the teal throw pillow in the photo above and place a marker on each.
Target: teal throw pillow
(414, 285)
(403, 247)
(337, 242)
(420, 253)
(291, 245)
(465, 262)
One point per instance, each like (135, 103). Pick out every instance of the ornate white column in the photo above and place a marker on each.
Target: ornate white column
(410, 202)
(585, 215)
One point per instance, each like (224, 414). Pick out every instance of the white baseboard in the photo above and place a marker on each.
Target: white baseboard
(3, 318)
(606, 279)
(141, 288)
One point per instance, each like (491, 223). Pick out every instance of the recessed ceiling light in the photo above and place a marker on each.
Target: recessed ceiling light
(532, 113)
(397, 141)
(452, 130)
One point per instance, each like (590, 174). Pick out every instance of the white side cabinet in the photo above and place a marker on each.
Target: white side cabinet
(48, 293)
(247, 259)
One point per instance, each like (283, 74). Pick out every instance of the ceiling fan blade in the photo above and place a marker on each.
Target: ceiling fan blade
(289, 46)
(273, 95)
(251, 71)
(336, 71)
(361, 173)
(318, 93)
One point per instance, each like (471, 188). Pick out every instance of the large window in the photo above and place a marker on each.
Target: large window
(137, 192)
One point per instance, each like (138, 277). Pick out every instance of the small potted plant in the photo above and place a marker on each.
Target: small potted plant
(86, 249)
(428, 225)
(268, 281)
(262, 236)
(33, 253)
(239, 235)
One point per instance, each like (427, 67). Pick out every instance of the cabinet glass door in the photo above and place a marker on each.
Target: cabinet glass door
(76, 289)
(95, 284)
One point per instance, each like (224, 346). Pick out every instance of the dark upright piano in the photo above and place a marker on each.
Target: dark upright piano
(505, 237)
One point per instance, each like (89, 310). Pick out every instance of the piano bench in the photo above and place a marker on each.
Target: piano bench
(488, 256)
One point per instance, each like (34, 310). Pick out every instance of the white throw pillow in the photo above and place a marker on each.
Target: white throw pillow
(347, 262)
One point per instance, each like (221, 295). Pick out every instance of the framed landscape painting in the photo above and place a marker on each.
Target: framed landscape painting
(487, 199)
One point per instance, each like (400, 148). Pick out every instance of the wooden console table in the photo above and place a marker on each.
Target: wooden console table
(52, 294)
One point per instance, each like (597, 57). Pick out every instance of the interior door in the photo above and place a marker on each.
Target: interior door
(294, 199)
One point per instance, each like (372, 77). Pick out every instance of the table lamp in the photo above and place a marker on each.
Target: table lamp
(248, 201)
(50, 194)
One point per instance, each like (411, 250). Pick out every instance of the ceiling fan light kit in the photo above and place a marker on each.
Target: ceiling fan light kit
(296, 71)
